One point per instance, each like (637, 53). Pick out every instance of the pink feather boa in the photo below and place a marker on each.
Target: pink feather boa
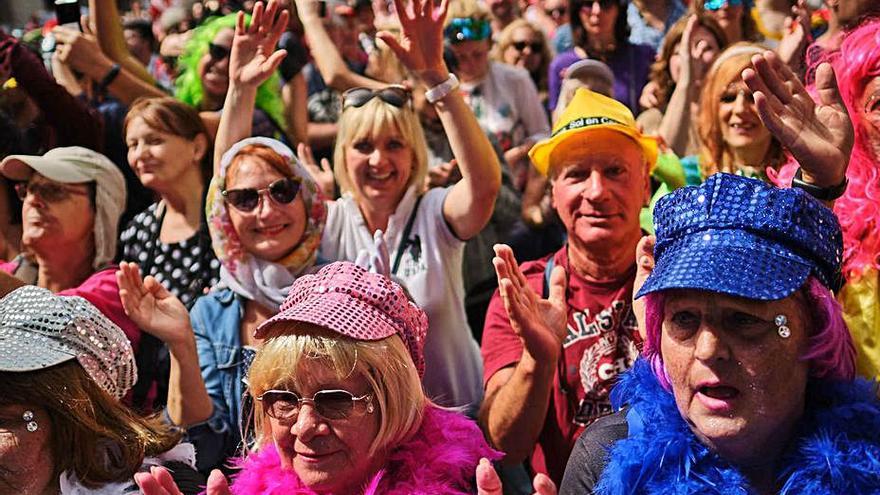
(440, 458)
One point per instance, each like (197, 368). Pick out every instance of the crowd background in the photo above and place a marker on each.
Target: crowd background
(185, 167)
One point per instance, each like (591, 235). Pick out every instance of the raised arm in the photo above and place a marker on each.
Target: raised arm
(469, 204)
(676, 123)
(105, 22)
(517, 397)
(252, 61)
(327, 58)
(157, 312)
(819, 135)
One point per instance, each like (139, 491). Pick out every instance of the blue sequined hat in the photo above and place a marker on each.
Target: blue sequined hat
(743, 237)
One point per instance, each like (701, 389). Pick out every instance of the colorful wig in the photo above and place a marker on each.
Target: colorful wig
(189, 83)
(830, 348)
(859, 209)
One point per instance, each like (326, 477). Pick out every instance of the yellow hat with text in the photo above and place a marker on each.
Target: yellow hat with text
(589, 112)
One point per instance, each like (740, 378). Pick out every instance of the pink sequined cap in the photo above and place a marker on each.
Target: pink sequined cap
(349, 300)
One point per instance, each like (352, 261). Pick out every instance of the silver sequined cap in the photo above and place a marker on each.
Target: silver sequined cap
(39, 329)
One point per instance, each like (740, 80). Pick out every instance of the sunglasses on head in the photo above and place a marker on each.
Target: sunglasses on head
(396, 96)
(463, 29)
(218, 52)
(719, 4)
(536, 46)
(47, 191)
(282, 192)
(329, 404)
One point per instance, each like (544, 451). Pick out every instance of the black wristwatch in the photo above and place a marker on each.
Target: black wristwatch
(821, 193)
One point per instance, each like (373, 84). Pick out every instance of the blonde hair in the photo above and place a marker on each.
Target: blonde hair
(466, 9)
(292, 347)
(505, 39)
(372, 119)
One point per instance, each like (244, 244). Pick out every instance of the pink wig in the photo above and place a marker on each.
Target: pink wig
(859, 209)
(830, 348)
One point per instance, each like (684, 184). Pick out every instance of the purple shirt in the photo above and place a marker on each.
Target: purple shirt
(630, 65)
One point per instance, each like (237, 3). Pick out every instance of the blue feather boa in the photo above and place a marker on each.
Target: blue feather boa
(837, 450)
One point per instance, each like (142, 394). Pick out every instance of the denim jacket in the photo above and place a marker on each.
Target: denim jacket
(216, 320)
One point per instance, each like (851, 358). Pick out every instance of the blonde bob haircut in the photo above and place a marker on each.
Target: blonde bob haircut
(292, 348)
(369, 121)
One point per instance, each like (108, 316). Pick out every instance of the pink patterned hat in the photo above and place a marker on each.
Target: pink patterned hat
(349, 300)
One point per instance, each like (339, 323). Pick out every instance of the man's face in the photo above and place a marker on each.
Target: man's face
(599, 185)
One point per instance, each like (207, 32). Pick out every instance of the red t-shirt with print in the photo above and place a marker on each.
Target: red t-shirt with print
(602, 341)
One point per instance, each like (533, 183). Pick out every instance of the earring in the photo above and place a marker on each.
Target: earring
(32, 425)
(370, 407)
(782, 329)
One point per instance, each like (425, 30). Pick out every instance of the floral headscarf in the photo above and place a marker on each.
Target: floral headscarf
(263, 281)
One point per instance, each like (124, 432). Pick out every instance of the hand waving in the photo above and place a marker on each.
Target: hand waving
(819, 136)
(540, 323)
(253, 58)
(159, 482)
(151, 306)
(420, 47)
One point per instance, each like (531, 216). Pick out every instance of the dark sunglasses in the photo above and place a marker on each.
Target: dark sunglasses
(536, 46)
(396, 96)
(48, 192)
(330, 404)
(218, 52)
(282, 191)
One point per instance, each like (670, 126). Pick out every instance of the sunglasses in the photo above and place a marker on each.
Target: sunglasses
(329, 404)
(47, 191)
(520, 46)
(719, 4)
(467, 29)
(282, 192)
(218, 52)
(396, 96)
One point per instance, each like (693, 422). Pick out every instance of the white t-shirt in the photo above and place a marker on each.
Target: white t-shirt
(430, 269)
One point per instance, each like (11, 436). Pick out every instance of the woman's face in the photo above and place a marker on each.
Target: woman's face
(524, 50)
(703, 45)
(379, 168)
(329, 455)
(56, 215)
(728, 16)
(161, 159)
(271, 230)
(741, 127)
(473, 59)
(869, 102)
(214, 65)
(26, 463)
(736, 381)
(599, 17)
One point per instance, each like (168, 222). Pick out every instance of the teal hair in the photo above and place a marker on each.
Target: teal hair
(189, 85)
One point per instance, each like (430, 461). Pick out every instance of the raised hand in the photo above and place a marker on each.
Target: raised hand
(488, 482)
(151, 306)
(540, 323)
(420, 47)
(322, 174)
(793, 47)
(819, 136)
(159, 482)
(645, 265)
(253, 58)
(79, 51)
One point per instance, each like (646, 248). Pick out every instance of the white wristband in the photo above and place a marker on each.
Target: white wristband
(441, 90)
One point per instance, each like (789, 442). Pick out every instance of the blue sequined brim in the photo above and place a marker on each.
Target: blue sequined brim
(731, 262)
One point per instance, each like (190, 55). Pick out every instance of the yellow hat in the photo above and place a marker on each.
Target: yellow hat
(589, 112)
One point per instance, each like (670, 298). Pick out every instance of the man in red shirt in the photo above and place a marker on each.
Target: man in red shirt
(560, 329)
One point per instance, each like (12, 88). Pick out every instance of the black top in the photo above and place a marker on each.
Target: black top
(590, 454)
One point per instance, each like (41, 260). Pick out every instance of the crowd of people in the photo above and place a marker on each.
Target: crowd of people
(441, 246)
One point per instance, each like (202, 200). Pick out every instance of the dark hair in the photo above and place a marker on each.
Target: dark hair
(579, 32)
(144, 30)
(93, 435)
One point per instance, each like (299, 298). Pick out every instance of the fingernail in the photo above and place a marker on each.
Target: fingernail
(645, 262)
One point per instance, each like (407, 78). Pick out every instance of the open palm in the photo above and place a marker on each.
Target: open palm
(819, 136)
(253, 58)
(150, 305)
(420, 47)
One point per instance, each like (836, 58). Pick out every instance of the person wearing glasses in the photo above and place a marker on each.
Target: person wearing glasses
(265, 215)
(505, 100)
(339, 403)
(523, 45)
(600, 31)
